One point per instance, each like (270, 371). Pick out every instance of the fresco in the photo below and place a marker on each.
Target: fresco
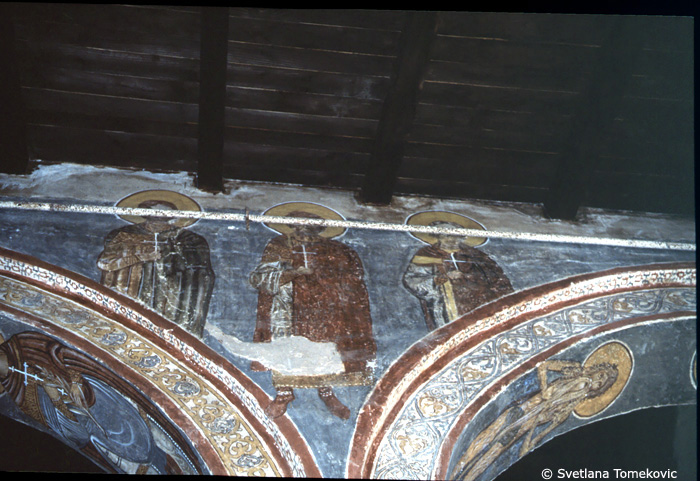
(409, 426)
(204, 395)
(451, 276)
(283, 341)
(159, 262)
(584, 389)
(312, 286)
(87, 406)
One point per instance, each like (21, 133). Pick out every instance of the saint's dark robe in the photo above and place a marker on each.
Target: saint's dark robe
(83, 403)
(444, 299)
(329, 305)
(178, 284)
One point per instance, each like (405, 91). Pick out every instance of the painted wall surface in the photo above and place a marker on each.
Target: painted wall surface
(660, 374)
(368, 300)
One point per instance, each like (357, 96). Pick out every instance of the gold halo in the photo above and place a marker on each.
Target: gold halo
(180, 201)
(428, 217)
(613, 353)
(282, 210)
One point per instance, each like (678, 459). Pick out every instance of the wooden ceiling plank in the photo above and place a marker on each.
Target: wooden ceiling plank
(525, 76)
(117, 85)
(299, 140)
(109, 106)
(522, 121)
(54, 144)
(302, 103)
(242, 153)
(399, 107)
(502, 173)
(471, 134)
(13, 135)
(524, 100)
(114, 27)
(300, 123)
(356, 86)
(212, 98)
(528, 57)
(529, 27)
(297, 176)
(458, 154)
(244, 53)
(322, 162)
(597, 107)
(390, 20)
(111, 124)
(41, 54)
(313, 36)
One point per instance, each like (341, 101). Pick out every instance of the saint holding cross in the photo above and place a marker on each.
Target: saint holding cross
(450, 276)
(312, 286)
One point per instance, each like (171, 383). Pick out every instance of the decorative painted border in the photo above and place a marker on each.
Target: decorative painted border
(423, 364)
(282, 440)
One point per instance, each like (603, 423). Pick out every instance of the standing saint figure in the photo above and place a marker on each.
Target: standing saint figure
(159, 262)
(589, 387)
(312, 286)
(451, 276)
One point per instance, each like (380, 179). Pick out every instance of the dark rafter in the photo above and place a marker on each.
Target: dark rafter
(597, 107)
(212, 97)
(399, 107)
(13, 136)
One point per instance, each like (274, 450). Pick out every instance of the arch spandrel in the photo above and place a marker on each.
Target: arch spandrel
(200, 392)
(420, 409)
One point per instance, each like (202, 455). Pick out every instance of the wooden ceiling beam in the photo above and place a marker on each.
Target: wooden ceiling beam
(14, 158)
(212, 97)
(399, 107)
(597, 106)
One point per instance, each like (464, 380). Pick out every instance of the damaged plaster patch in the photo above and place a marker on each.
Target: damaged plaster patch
(107, 185)
(76, 181)
(290, 356)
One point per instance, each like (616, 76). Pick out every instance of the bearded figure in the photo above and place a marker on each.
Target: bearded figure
(451, 276)
(312, 286)
(159, 262)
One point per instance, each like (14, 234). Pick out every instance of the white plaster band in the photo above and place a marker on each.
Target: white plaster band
(233, 217)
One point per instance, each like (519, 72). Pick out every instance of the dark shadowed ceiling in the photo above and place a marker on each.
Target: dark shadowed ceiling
(562, 110)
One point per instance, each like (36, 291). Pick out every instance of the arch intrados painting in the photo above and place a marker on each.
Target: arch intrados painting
(34, 275)
(202, 393)
(407, 431)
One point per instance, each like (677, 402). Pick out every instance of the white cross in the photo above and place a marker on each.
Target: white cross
(455, 261)
(26, 373)
(305, 252)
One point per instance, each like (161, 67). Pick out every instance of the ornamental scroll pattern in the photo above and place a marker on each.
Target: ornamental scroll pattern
(409, 449)
(61, 283)
(219, 422)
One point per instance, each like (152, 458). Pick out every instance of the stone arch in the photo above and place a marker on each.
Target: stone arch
(205, 397)
(417, 421)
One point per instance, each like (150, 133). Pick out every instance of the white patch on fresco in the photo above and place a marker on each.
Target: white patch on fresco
(289, 356)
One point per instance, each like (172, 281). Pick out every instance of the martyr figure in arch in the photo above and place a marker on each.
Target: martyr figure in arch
(584, 389)
(92, 409)
(451, 276)
(311, 285)
(159, 262)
